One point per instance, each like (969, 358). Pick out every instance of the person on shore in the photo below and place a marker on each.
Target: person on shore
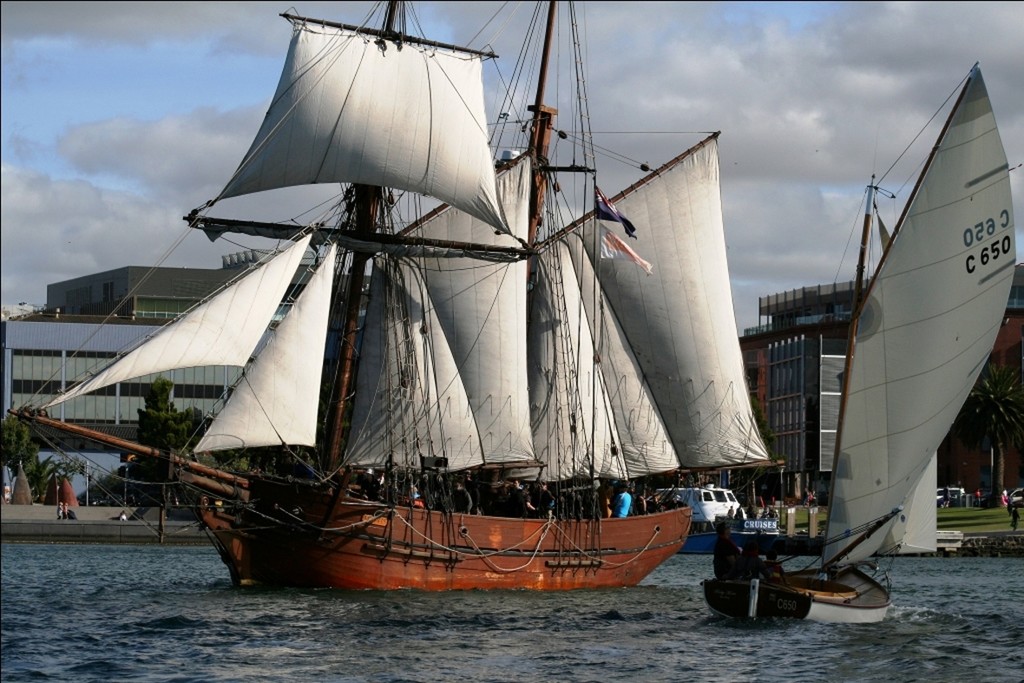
(1014, 517)
(123, 516)
(726, 551)
(69, 513)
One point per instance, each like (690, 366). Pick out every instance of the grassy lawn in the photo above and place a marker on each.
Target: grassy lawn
(948, 519)
(974, 519)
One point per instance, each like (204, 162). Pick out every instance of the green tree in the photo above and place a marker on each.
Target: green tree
(40, 474)
(994, 409)
(17, 447)
(162, 426)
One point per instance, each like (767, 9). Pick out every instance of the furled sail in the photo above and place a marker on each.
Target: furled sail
(221, 331)
(349, 110)
(679, 322)
(277, 397)
(917, 355)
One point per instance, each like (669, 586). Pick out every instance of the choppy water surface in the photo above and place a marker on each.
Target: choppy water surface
(114, 613)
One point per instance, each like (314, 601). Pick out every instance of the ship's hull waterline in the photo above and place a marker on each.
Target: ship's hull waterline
(367, 546)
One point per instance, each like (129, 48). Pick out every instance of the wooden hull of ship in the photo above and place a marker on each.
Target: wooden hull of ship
(852, 597)
(304, 540)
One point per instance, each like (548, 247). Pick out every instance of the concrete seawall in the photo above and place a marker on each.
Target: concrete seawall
(96, 524)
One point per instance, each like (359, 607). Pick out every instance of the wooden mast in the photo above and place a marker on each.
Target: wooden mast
(540, 132)
(367, 202)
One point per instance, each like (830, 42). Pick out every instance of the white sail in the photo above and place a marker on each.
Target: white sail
(348, 110)
(276, 400)
(410, 401)
(222, 331)
(928, 324)
(482, 309)
(641, 439)
(573, 424)
(914, 531)
(679, 321)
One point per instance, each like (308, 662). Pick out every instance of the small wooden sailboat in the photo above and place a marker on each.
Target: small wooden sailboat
(921, 335)
(483, 341)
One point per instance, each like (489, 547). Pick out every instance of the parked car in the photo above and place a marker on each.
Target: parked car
(1017, 498)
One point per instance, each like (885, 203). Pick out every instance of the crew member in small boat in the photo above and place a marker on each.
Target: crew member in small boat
(750, 565)
(771, 560)
(726, 551)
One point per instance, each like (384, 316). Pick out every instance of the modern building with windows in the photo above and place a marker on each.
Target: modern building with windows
(87, 321)
(795, 359)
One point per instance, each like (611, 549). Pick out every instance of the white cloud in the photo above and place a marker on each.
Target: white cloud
(119, 118)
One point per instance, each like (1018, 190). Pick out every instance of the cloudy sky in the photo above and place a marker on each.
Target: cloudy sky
(119, 118)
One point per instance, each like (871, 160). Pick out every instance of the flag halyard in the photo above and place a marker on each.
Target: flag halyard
(606, 211)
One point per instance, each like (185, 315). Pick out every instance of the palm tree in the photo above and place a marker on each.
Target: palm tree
(994, 409)
(40, 473)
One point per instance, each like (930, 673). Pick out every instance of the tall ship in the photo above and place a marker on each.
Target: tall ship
(444, 400)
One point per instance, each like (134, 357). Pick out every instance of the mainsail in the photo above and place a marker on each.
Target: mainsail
(917, 355)
(222, 331)
(685, 361)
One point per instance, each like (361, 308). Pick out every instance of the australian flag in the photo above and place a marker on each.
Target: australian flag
(606, 211)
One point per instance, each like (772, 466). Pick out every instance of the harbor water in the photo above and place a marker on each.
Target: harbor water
(158, 613)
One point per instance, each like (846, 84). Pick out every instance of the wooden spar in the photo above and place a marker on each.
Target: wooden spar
(860, 539)
(368, 200)
(388, 34)
(851, 340)
(865, 236)
(664, 168)
(128, 446)
(367, 204)
(540, 133)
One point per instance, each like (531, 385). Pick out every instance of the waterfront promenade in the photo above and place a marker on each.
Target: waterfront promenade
(99, 524)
